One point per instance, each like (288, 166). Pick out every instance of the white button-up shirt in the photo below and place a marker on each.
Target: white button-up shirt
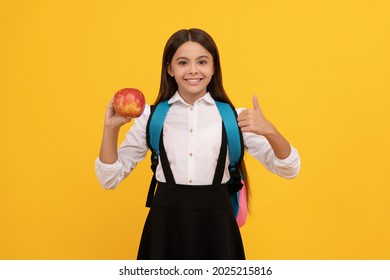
(192, 139)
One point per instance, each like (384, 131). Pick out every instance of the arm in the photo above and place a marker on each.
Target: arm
(114, 164)
(112, 124)
(253, 124)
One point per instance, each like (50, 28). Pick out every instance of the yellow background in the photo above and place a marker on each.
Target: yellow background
(320, 69)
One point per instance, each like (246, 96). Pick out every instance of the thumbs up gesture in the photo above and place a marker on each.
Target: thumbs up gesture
(253, 120)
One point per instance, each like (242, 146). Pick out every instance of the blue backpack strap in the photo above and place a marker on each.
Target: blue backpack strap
(236, 150)
(229, 119)
(153, 134)
(156, 123)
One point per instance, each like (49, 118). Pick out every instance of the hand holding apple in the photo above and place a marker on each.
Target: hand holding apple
(125, 104)
(113, 119)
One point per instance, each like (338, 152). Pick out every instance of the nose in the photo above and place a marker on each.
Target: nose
(193, 69)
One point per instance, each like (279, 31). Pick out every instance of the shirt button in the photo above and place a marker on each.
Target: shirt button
(191, 108)
(191, 130)
(190, 181)
(190, 154)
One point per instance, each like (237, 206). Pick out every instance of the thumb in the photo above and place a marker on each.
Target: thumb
(256, 105)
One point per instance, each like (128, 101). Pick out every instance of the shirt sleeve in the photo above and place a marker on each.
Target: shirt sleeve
(259, 147)
(131, 151)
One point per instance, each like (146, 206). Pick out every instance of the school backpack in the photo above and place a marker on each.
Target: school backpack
(236, 185)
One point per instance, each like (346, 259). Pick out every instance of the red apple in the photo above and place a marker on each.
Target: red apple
(129, 102)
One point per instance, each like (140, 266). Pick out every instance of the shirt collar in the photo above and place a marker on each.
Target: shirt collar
(176, 98)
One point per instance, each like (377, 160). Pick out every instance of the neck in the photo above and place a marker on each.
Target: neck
(192, 98)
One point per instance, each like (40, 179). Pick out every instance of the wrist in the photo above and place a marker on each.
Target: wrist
(111, 129)
(271, 132)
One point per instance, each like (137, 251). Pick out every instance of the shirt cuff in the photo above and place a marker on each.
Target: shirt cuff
(291, 159)
(107, 166)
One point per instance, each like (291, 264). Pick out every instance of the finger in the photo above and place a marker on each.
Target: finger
(255, 102)
(241, 117)
(244, 114)
(243, 123)
(246, 129)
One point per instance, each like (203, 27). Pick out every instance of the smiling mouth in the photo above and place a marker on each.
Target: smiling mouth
(193, 81)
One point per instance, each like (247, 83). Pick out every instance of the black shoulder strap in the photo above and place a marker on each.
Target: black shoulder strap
(165, 163)
(220, 168)
(152, 108)
(153, 160)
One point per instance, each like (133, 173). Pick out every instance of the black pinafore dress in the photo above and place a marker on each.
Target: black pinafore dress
(188, 222)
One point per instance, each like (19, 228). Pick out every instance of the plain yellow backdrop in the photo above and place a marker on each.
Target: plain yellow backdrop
(319, 68)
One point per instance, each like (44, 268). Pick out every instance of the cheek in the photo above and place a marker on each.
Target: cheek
(177, 78)
(178, 72)
(210, 74)
(210, 71)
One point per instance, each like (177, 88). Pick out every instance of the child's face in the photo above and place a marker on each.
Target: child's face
(193, 67)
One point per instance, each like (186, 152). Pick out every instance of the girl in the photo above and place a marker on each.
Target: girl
(190, 218)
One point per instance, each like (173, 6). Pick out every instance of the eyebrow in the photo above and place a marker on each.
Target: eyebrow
(200, 57)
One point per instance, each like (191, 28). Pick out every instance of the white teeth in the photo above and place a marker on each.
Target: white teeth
(193, 80)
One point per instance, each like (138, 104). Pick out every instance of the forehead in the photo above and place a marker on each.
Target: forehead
(191, 50)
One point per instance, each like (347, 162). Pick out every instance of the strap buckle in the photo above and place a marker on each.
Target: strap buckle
(154, 161)
(234, 184)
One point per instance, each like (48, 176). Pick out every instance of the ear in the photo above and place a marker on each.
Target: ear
(169, 70)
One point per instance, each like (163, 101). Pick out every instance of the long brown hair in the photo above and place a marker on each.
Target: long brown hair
(168, 85)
